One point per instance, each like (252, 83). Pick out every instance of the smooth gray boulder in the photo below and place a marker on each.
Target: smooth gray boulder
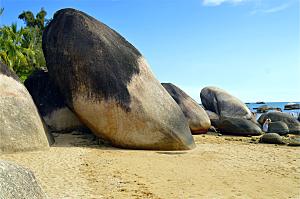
(238, 126)
(292, 122)
(278, 127)
(51, 103)
(271, 138)
(108, 84)
(21, 126)
(214, 118)
(224, 104)
(196, 116)
(17, 182)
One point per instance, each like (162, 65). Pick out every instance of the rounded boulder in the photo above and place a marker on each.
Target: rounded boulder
(196, 116)
(224, 104)
(292, 122)
(21, 126)
(108, 84)
(278, 127)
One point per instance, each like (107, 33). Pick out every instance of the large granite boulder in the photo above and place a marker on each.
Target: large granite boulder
(238, 126)
(196, 116)
(17, 182)
(222, 103)
(278, 127)
(292, 122)
(21, 126)
(108, 84)
(50, 103)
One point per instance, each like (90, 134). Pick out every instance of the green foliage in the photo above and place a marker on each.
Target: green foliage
(21, 49)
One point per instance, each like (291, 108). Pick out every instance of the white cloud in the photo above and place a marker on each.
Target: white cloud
(271, 10)
(219, 2)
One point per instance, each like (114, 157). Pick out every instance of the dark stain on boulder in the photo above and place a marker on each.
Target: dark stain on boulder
(83, 52)
(45, 94)
(6, 71)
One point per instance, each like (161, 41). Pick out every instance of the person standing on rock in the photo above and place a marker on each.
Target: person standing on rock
(266, 125)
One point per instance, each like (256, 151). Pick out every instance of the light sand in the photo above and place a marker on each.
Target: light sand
(220, 167)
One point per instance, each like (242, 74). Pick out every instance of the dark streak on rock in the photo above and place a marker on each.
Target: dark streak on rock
(80, 50)
(45, 93)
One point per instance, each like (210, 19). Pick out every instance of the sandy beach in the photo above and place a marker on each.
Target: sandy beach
(220, 167)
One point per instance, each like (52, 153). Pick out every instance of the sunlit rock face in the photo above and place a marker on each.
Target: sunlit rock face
(21, 126)
(108, 84)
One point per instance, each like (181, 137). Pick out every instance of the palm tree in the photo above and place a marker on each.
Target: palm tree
(31, 21)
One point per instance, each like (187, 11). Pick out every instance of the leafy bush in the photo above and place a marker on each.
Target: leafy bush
(21, 49)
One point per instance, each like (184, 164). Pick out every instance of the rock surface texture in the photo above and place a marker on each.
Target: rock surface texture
(21, 126)
(108, 84)
(271, 138)
(197, 118)
(227, 113)
(17, 182)
(50, 103)
(292, 123)
(223, 104)
(278, 127)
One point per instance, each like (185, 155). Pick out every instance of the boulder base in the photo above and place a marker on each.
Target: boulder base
(238, 126)
(51, 103)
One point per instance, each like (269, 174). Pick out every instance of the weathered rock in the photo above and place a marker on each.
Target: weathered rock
(214, 118)
(21, 126)
(196, 116)
(294, 142)
(278, 127)
(223, 104)
(50, 103)
(17, 182)
(238, 126)
(108, 84)
(271, 138)
(289, 120)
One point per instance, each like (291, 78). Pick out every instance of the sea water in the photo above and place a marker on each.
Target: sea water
(281, 105)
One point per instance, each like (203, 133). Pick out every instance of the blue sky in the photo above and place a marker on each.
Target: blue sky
(251, 48)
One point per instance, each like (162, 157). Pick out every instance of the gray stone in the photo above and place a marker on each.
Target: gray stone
(292, 123)
(17, 182)
(224, 104)
(21, 126)
(196, 116)
(238, 126)
(278, 127)
(271, 138)
(214, 118)
(108, 84)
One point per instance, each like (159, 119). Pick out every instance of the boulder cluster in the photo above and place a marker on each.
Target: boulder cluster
(96, 79)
